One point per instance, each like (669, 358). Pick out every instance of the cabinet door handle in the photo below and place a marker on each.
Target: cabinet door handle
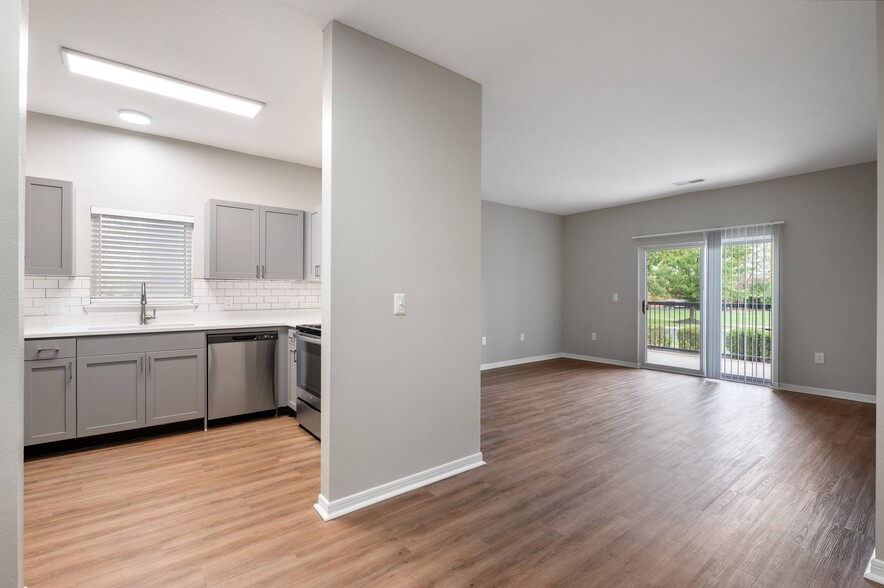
(258, 272)
(140, 365)
(263, 272)
(149, 363)
(52, 349)
(70, 371)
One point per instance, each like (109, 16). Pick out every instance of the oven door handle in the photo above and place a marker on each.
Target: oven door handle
(308, 338)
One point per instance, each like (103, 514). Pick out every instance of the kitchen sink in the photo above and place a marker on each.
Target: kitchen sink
(154, 327)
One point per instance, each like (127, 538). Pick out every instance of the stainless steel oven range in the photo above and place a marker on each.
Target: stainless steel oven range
(309, 402)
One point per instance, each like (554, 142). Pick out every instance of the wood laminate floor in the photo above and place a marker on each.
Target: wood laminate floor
(596, 476)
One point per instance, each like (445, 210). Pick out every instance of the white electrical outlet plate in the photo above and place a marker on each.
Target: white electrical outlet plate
(521, 336)
(594, 337)
(484, 341)
(616, 297)
(819, 357)
(399, 304)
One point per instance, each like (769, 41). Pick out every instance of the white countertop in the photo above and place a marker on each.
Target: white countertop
(127, 323)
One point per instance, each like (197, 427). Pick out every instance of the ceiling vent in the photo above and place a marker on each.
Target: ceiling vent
(687, 182)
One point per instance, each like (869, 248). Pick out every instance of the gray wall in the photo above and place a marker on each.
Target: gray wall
(827, 270)
(116, 168)
(521, 282)
(12, 131)
(401, 213)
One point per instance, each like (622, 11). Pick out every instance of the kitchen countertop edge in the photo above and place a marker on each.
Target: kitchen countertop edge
(207, 325)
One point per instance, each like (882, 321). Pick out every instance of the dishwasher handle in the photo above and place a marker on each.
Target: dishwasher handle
(241, 337)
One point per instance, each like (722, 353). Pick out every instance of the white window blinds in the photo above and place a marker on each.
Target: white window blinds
(748, 303)
(129, 248)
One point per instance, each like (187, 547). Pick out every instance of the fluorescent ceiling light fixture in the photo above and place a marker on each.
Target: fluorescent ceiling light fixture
(140, 79)
(134, 117)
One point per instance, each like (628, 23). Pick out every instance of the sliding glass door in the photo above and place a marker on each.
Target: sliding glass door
(671, 320)
(733, 273)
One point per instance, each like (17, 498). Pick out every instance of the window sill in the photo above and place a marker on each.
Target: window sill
(98, 307)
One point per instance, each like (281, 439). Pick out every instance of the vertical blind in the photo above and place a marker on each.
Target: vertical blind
(128, 249)
(748, 303)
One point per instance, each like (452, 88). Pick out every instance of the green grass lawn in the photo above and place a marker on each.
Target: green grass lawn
(658, 317)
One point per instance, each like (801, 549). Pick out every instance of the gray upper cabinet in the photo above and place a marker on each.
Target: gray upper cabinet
(110, 393)
(50, 400)
(247, 241)
(313, 249)
(50, 245)
(176, 386)
(232, 238)
(282, 243)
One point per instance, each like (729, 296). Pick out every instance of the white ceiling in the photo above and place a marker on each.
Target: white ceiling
(587, 104)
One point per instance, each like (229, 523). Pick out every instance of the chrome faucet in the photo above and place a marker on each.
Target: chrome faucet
(144, 316)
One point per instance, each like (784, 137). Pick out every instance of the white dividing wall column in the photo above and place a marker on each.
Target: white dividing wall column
(875, 570)
(13, 66)
(401, 209)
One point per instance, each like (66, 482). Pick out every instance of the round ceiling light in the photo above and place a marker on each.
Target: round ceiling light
(134, 117)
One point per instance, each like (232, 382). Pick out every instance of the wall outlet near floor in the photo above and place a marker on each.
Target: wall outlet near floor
(484, 340)
(594, 337)
(521, 336)
(616, 297)
(819, 357)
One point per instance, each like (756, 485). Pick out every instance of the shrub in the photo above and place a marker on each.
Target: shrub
(659, 337)
(689, 338)
(748, 342)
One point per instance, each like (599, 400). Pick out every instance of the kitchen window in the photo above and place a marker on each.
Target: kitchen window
(129, 248)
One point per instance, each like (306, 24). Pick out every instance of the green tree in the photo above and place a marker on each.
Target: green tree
(674, 274)
(746, 269)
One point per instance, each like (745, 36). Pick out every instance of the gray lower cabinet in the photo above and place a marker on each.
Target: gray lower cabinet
(176, 386)
(50, 241)
(50, 400)
(130, 381)
(110, 393)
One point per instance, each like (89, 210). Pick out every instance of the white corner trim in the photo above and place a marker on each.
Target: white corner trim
(875, 570)
(519, 361)
(332, 509)
(629, 364)
(855, 396)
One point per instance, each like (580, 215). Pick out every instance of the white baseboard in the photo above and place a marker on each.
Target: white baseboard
(519, 361)
(855, 396)
(875, 570)
(629, 364)
(332, 509)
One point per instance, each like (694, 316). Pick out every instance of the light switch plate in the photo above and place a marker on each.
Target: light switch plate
(819, 357)
(594, 337)
(616, 297)
(399, 304)
(484, 341)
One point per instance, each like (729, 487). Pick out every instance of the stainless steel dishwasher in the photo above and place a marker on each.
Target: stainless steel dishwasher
(242, 373)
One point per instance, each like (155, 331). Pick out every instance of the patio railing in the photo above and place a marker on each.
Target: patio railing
(675, 326)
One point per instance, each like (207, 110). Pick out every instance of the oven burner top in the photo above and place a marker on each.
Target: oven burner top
(315, 329)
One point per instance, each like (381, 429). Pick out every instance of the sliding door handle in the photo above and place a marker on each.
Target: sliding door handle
(644, 306)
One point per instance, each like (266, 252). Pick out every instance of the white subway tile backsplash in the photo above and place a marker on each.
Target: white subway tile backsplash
(46, 296)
